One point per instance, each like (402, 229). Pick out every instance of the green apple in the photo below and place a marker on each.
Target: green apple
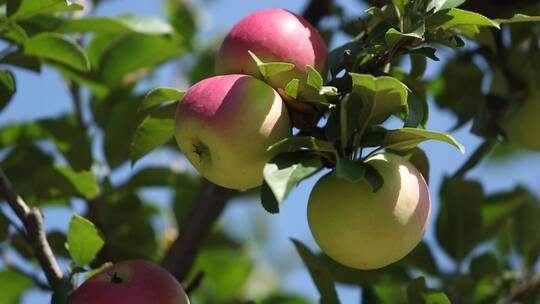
(133, 282)
(224, 126)
(522, 125)
(274, 35)
(366, 230)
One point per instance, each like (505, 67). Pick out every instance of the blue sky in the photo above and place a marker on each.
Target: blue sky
(44, 95)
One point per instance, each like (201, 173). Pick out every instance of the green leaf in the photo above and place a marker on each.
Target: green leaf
(58, 240)
(519, 18)
(438, 5)
(120, 125)
(64, 132)
(418, 65)
(23, 9)
(373, 177)
(394, 273)
(182, 16)
(12, 31)
(286, 170)
(13, 285)
(7, 88)
(322, 277)
(419, 293)
(408, 138)
(136, 24)
(268, 69)
(422, 259)
(499, 208)
(268, 199)
(314, 78)
(458, 226)
(297, 143)
(350, 170)
(83, 183)
(57, 48)
(20, 60)
(226, 274)
(426, 51)
(387, 95)
(84, 240)
(484, 265)
(479, 34)
(160, 95)
(154, 131)
(38, 181)
(129, 226)
(291, 89)
(451, 94)
(394, 37)
(124, 60)
(420, 160)
(452, 17)
(526, 231)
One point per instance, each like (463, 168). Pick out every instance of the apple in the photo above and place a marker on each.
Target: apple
(274, 35)
(133, 282)
(522, 124)
(365, 230)
(224, 126)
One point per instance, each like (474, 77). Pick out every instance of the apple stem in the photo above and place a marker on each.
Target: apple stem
(115, 278)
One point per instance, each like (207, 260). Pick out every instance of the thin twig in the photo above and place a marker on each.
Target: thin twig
(196, 228)
(32, 219)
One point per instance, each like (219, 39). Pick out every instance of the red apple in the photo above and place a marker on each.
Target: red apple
(224, 126)
(133, 282)
(274, 35)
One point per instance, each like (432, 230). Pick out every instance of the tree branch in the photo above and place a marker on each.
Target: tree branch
(316, 10)
(32, 220)
(197, 226)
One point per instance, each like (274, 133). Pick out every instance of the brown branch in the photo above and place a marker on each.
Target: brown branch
(196, 228)
(32, 220)
(317, 9)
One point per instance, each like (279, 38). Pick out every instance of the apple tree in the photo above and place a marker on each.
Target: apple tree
(249, 118)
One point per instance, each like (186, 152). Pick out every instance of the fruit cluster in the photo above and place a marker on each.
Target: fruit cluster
(225, 124)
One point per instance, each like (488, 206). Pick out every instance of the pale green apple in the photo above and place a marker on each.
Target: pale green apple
(224, 126)
(366, 230)
(523, 124)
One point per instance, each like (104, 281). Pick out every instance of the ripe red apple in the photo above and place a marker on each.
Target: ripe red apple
(367, 230)
(224, 126)
(521, 127)
(274, 35)
(133, 282)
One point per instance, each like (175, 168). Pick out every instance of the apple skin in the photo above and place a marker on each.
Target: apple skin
(366, 230)
(274, 35)
(224, 126)
(142, 282)
(522, 125)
